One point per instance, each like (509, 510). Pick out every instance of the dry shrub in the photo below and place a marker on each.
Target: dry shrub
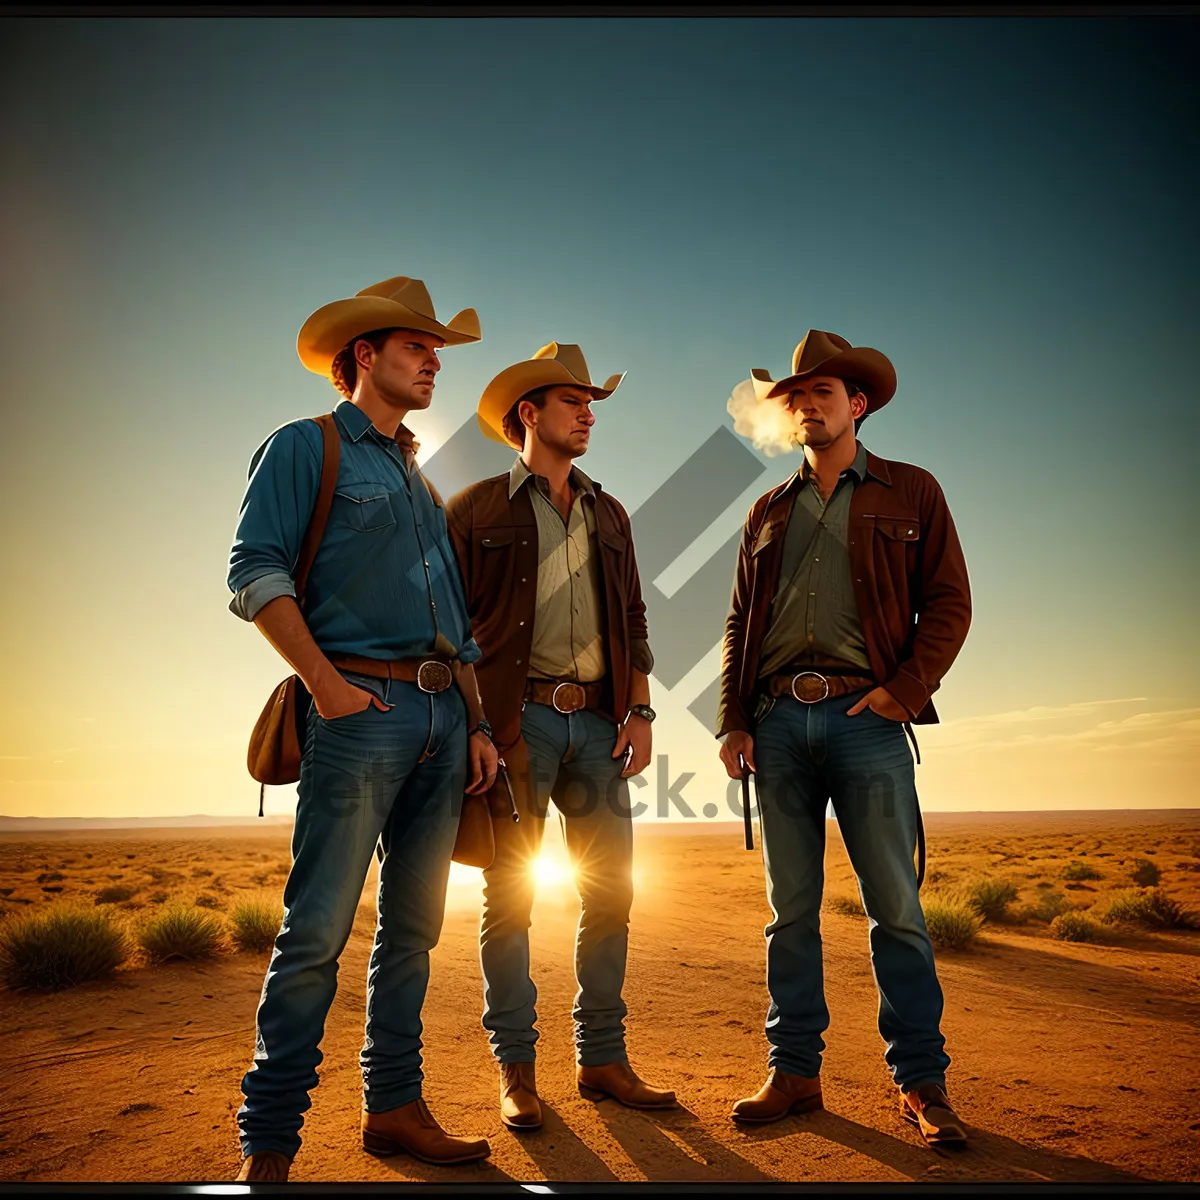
(255, 921)
(1151, 909)
(1079, 871)
(181, 931)
(845, 905)
(59, 946)
(1074, 927)
(990, 898)
(1145, 873)
(1046, 907)
(208, 900)
(952, 921)
(117, 894)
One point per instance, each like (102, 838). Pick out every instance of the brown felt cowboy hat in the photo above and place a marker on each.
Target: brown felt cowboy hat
(821, 353)
(556, 364)
(398, 303)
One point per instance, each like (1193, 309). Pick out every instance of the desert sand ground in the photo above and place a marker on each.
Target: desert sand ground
(1071, 1062)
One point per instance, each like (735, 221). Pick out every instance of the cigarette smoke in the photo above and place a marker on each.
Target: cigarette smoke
(770, 427)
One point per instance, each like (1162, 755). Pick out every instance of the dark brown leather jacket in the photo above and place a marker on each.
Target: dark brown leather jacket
(910, 582)
(496, 543)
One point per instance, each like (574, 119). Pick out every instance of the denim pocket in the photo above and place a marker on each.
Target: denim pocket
(362, 506)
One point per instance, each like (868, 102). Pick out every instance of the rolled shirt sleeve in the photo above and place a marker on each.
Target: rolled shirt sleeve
(257, 595)
(285, 475)
(470, 652)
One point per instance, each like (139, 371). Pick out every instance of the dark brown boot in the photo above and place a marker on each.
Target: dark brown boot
(519, 1104)
(928, 1108)
(780, 1095)
(267, 1166)
(411, 1129)
(619, 1081)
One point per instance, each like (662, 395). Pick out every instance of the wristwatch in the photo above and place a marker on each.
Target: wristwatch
(643, 710)
(484, 728)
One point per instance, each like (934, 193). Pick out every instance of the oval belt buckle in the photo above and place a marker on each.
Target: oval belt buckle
(433, 676)
(575, 692)
(810, 675)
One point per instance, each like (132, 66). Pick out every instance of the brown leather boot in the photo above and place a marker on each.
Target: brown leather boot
(519, 1104)
(780, 1095)
(411, 1129)
(267, 1166)
(619, 1081)
(928, 1108)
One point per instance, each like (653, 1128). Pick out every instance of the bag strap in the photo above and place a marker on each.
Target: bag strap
(320, 515)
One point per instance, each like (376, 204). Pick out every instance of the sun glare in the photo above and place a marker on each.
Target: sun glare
(550, 871)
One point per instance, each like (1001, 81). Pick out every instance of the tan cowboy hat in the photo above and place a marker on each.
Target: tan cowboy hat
(398, 303)
(821, 353)
(555, 364)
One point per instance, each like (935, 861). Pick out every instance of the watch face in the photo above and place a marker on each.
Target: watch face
(644, 710)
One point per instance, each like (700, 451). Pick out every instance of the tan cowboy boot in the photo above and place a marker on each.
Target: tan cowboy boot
(411, 1129)
(619, 1081)
(267, 1166)
(519, 1104)
(928, 1108)
(780, 1095)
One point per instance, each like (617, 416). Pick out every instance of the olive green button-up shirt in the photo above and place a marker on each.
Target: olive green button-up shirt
(568, 642)
(814, 616)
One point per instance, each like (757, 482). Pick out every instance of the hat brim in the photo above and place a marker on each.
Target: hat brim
(862, 364)
(331, 327)
(528, 376)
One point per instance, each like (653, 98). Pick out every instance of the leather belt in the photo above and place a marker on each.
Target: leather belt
(565, 695)
(811, 686)
(429, 674)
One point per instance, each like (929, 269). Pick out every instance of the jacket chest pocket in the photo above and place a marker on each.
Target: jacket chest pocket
(494, 542)
(492, 551)
(362, 507)
(892, 529)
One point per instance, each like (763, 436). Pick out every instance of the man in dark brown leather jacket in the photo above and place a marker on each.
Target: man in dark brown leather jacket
(850, 603)
(556, 608)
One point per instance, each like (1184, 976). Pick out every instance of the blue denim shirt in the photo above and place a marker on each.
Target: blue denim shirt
(385, 582)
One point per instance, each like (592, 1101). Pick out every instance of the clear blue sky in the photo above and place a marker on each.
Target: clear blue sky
(1005, 207)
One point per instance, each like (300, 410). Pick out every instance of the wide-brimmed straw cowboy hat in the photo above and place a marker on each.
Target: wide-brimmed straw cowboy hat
(555, 364)
(821, 353)
(397, 303)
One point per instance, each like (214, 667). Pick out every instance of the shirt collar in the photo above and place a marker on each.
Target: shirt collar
(357, 425)
(520, 472)
(858, 467)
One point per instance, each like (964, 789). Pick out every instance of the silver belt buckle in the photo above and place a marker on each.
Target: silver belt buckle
(809, 698)
(574, 691)
(434, 676)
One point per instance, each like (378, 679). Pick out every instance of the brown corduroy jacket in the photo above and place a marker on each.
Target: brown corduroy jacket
(910, 583)
(496, 544)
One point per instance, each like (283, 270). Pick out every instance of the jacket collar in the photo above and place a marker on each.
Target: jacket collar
(865, 465)
(520, 472)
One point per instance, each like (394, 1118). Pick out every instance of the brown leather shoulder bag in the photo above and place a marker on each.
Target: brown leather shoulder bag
(278, 738)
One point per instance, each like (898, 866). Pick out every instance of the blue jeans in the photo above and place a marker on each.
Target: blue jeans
(398, 775)
(807, 755)
(567, 757)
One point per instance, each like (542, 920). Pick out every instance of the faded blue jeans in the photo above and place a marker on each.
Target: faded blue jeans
(569, 760)
(807, 755)
(398, 775)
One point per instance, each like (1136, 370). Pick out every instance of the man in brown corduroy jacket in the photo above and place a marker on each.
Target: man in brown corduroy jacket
(850, 603)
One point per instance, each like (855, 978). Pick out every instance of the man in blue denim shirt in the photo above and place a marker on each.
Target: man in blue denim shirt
(383, 636)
